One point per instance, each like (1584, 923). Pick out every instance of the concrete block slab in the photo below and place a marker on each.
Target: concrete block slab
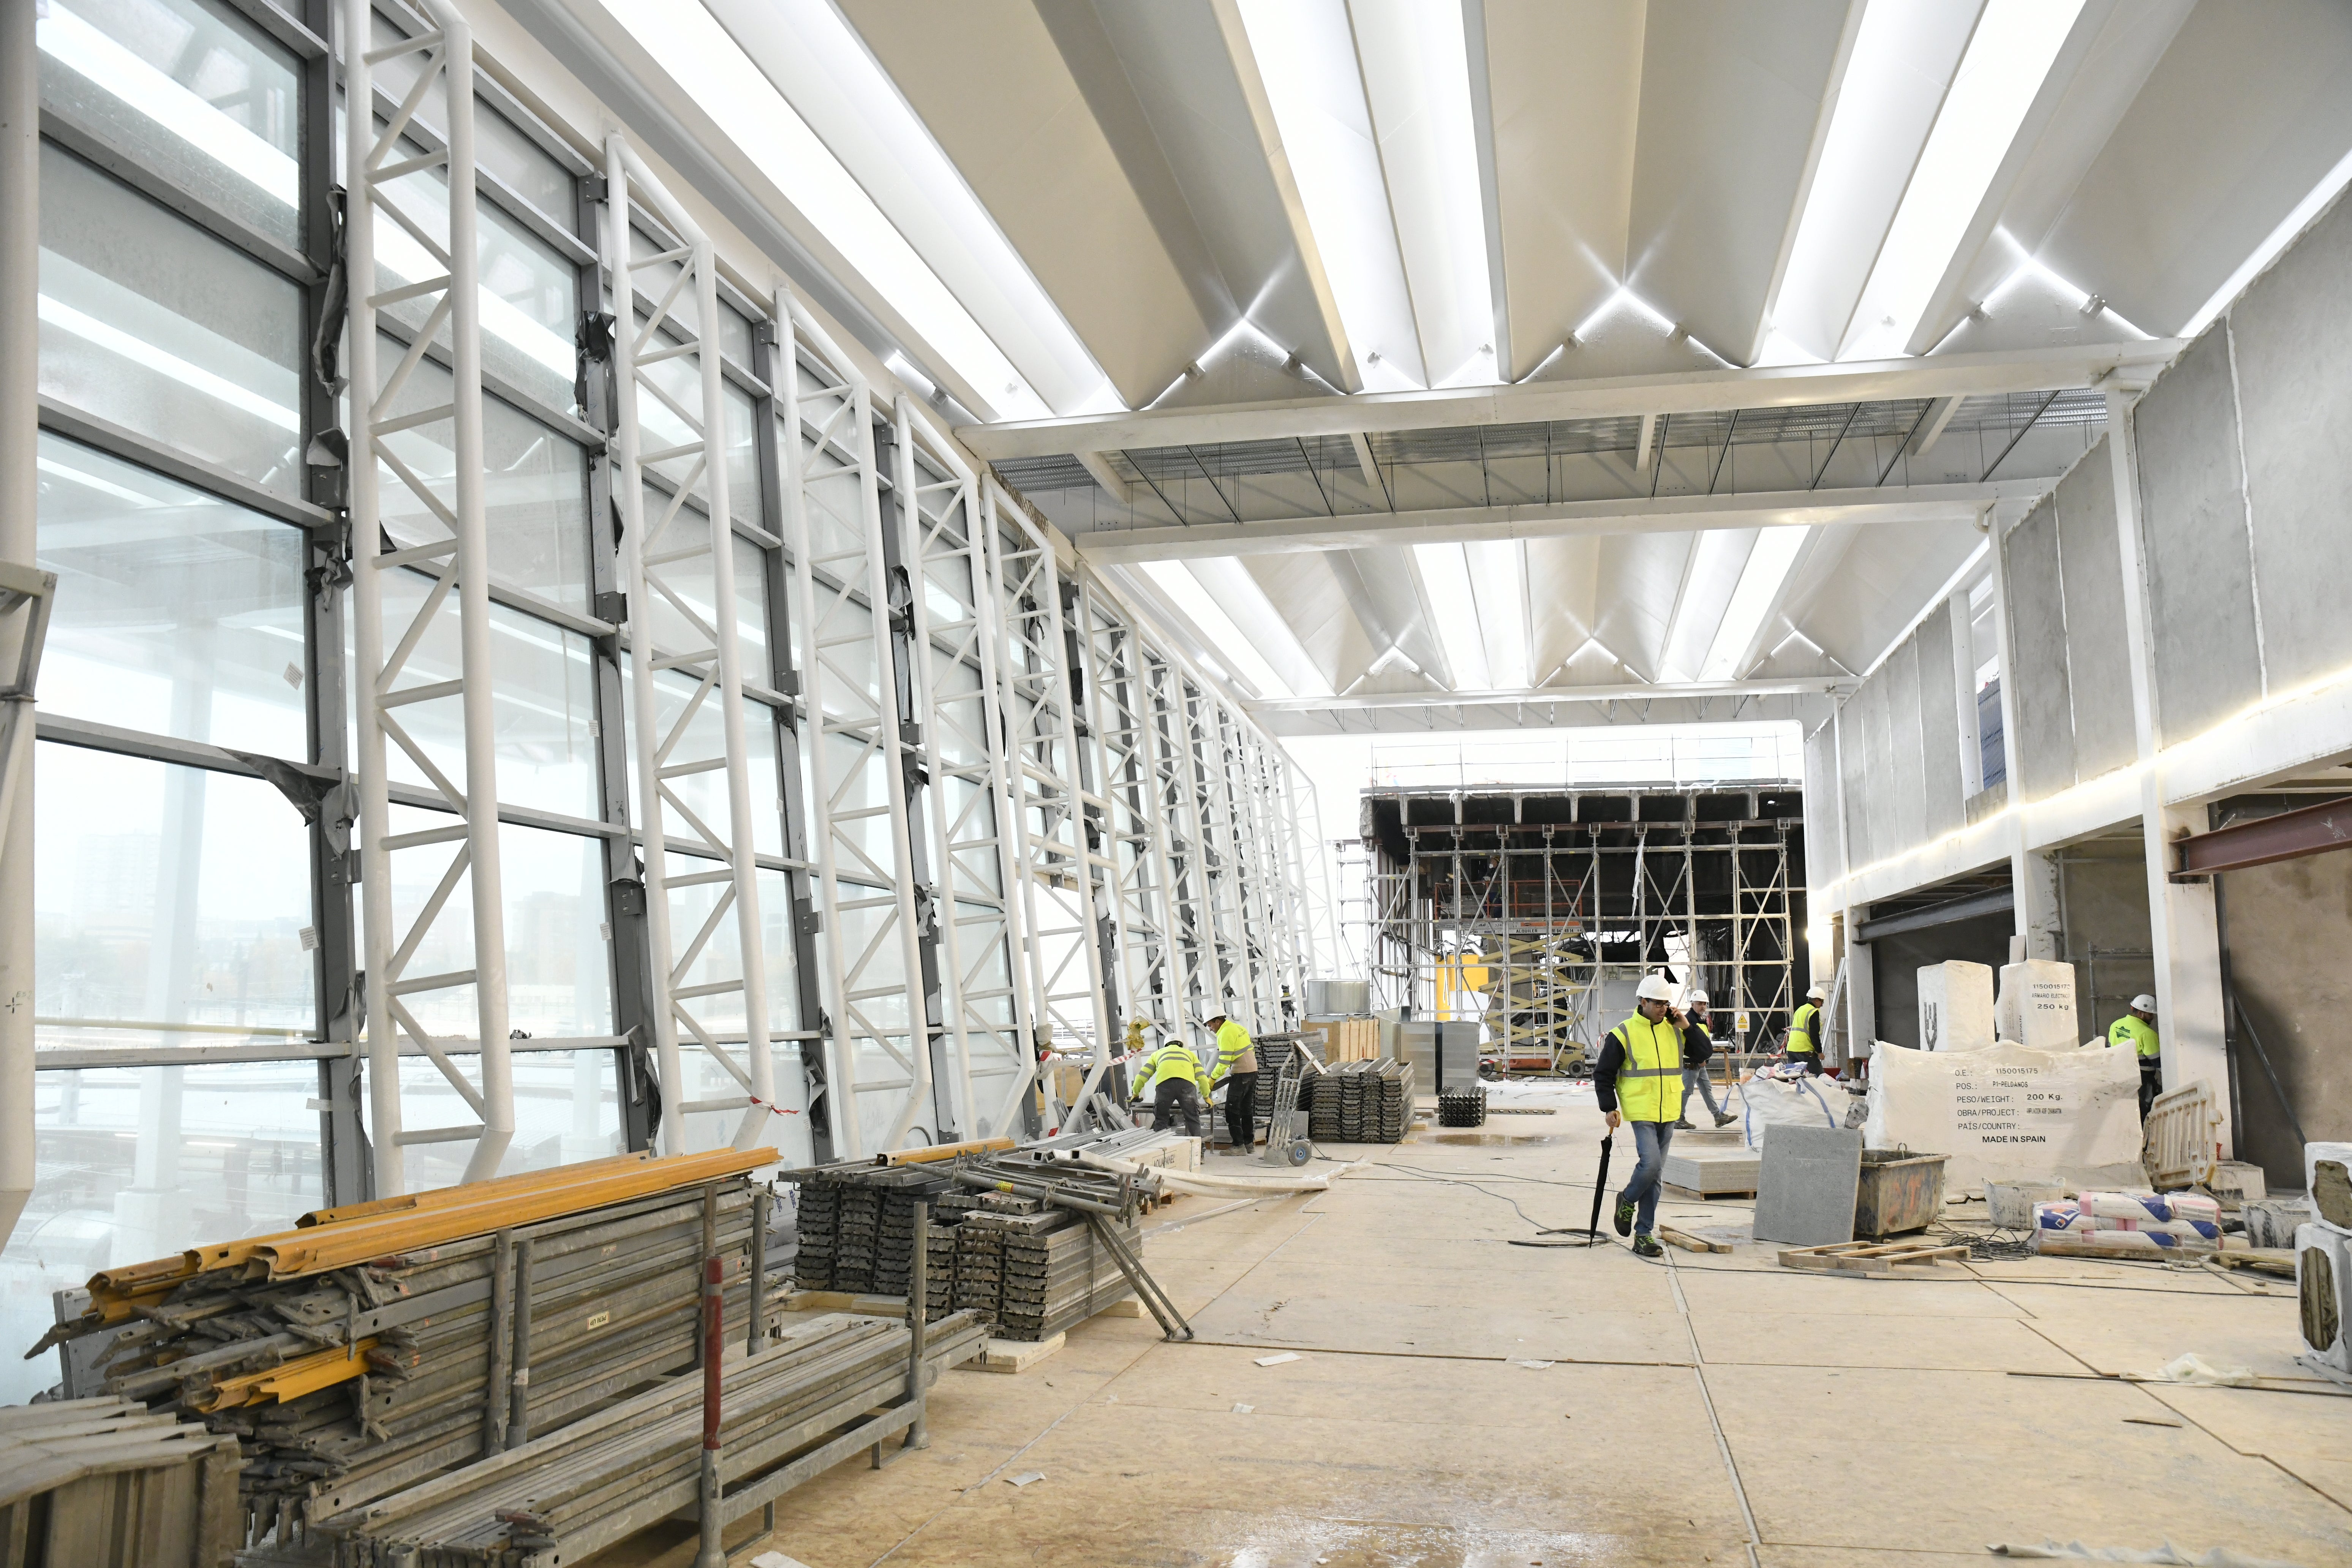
(1804, 1195)
(1725, 1172)
(1015, 1355)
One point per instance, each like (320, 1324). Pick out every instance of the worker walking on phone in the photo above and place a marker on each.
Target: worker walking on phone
(1640, 1079)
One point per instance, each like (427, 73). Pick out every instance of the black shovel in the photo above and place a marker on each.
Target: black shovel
(1590, 1234)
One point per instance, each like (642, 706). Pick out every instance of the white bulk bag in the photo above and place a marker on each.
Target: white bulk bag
(2011, 1113)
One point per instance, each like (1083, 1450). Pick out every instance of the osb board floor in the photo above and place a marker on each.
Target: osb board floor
(1463, 1402)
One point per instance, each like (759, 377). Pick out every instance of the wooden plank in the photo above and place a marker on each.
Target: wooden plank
(1688, 1242)
(1863, 1257)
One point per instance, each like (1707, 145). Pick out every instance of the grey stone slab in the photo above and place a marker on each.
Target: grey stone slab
(2041, 752)
(1713, 1173)
(1804, 1195)
(2098, 668)
(1939, 726)
(2291, 338)
(1901, 678)
(2193, 523)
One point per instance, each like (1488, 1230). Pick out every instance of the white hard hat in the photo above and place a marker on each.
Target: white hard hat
(1817, 993)
(2143, 1003)
(1654, 988)
(1696, 999)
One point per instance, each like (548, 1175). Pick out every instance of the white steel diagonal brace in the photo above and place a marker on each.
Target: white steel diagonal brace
(662, 560)
(832, 517)
(457, 558)
(985, 1010)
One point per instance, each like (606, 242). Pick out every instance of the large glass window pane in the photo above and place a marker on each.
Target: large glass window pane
(171, 906)
(559, 972)
(140, 1163)
(529, 295)
(542, 699)
(177, 613)
(150, 322)
(192, 92)
(536, 497)
(566, 1110)
(788, 1134)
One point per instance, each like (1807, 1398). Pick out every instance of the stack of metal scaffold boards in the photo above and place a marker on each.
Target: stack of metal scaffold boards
(1461, 1107)
(1025, 1264)
(378, 1346)
(103, 1483)
(1362, 1102)
(560, 1498)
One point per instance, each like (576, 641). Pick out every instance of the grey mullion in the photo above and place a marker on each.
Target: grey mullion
(84, 144)
(119, 441)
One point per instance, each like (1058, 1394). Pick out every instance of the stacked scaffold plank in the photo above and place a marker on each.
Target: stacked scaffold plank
(857, 1224)
(1362, 1102)
(560, 1498)
(1461, 1107)
(377, 1345)
(105, 1483)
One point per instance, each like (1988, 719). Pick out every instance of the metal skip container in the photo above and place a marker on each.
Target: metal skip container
(1899, 1191)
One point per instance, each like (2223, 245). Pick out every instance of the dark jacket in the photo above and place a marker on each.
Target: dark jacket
(1612, 1062)
(1698, 1044)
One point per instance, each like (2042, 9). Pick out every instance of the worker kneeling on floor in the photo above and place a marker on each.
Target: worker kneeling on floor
(1640, 1079)
(1173, 1081)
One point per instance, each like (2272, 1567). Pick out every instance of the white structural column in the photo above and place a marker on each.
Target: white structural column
(1062, 903)
(455, 558)
(2032, 873)
(870, 947)
(984, 1013)
(1232, 988)
(1176, 815)
(20, 340)
(686, 661)
(2184, 928)
(1305, 915)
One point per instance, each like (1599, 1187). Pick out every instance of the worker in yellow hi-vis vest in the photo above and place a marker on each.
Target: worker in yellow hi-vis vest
(1638, 1079)
(1803, 1045)
(2136, 1029)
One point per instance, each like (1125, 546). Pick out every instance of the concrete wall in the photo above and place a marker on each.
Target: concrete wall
(2284, 928)
(1900, 748)
(2102, 902)
(1897, 960)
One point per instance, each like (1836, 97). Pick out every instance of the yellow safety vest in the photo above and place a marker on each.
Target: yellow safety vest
(1649, 1084)
(2137, 1032)
(1174, 1062)
(1232, 1044)
(1801, 1031)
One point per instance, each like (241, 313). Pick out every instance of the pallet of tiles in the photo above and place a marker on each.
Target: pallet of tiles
(105, 1483)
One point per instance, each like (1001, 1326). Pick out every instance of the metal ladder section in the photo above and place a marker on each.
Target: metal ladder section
(451, 557)
(856, 750)
(684, 662)
(972, 897)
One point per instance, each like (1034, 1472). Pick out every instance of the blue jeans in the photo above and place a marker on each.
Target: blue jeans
(1650, 1140)
(1696, 1081)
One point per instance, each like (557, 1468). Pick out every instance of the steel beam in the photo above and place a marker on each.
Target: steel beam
(2289, 835)
(1687, 392)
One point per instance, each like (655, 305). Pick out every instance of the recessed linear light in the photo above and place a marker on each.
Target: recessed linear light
(1231, 646)
(2009, 58)
(1760, 579)
(1445, 575)
(687, 43)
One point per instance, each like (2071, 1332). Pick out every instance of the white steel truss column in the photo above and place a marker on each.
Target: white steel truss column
(954, 613)
(1176, 817)
(459, 561)
(1221, 858)
(857, 794)
(1308, 884)
(664, 564)
(1063, 910)
(1133, 854)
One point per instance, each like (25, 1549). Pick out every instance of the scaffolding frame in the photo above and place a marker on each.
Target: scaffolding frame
(1538, 929)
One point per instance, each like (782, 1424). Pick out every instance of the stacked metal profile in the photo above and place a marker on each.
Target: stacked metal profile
(857, 1224)
(561, 1497)
(103, 1483)
(378, 1345)
(1461, 1107)
(1362, 1102)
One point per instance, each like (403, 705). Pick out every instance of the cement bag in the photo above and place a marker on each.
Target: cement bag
(2011, 1113)
(2142, 1206)
(1767, 1101)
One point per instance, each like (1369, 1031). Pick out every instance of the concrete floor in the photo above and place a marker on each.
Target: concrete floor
(1466, 1402)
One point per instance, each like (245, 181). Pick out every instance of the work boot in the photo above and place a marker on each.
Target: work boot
(1683, 1125)
(1625, 1218)
(1647, 1246)
(1724, 1119)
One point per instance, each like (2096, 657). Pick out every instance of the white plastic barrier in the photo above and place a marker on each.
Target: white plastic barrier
(2011, 1114)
